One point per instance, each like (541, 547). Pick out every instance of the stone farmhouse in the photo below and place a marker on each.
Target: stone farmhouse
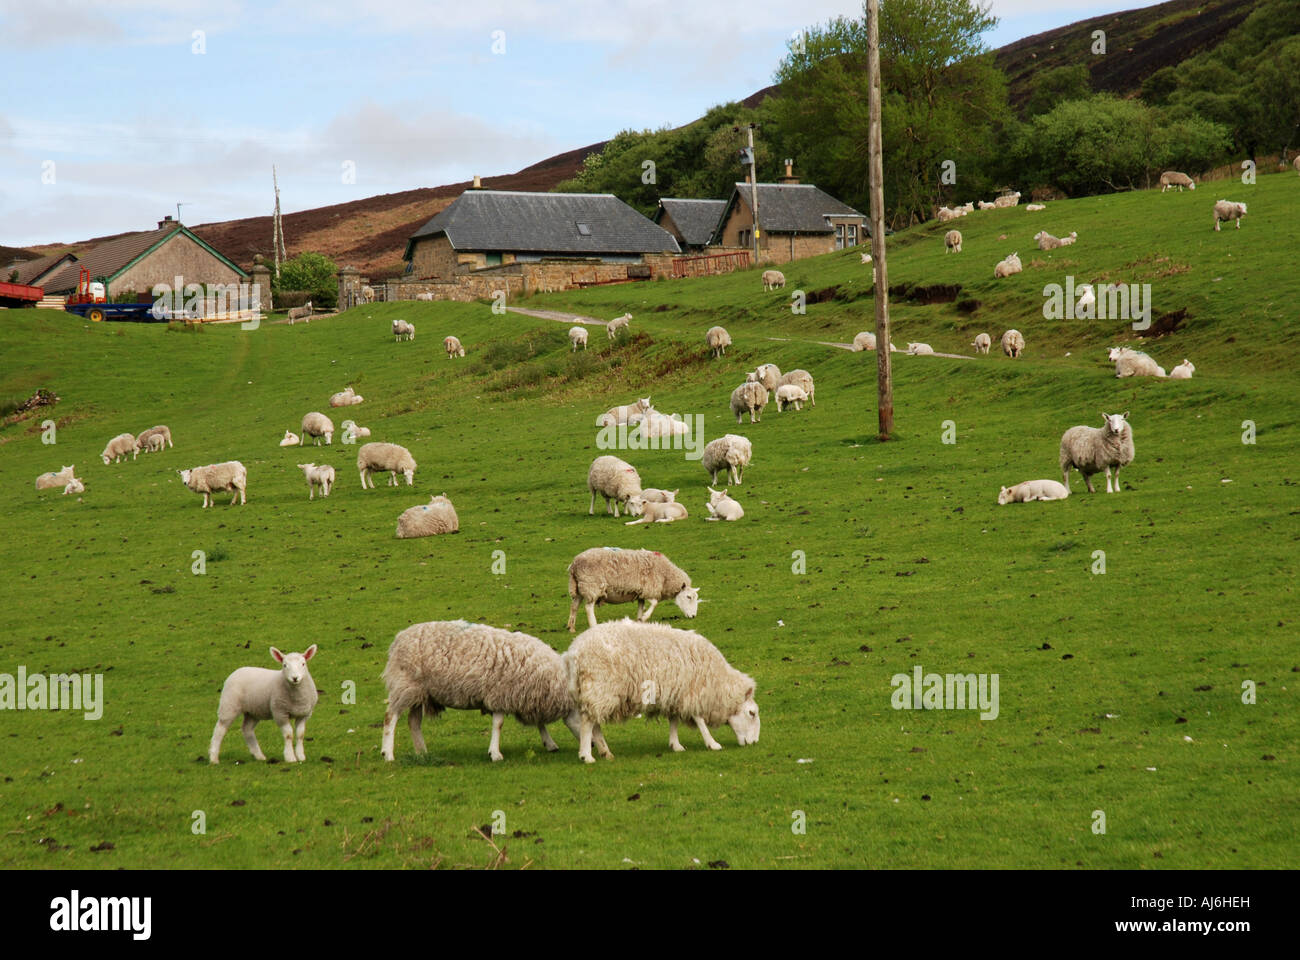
(692, 222)
(794, 221)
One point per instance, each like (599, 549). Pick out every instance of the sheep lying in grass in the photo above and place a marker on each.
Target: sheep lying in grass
(1033, 490)
(1227, 210)
(119, 447)
(578, 337)
(729, 454)
(655, 495)
(1094, 449)
(952, 241)
(1035, 207)
(346, 398)
(403, 330)
(390, 458)
(1048, 242)
(650, 512)
(628, 413)
(300, 313)
(613, 666)
(470, 666)
(866, 340)
(315, 424)
(1183, 371)
(866, 258)
(718, 340)
(49, 481)
(1134, 363)
(216, 477)
(352, 433)
(985, 205)
(287, 696)
(722, 507)
(317, 476)
(1007, 200)
(453, 347)
(1013, 344)
(618, 323)
(919, 349)
(773, 279)
(427, 520)
(981, 343)
(615, 480)
(656, 424)
(789, 393)
(145, 440)
(1007, 267)
(74, 486)
(291, 439)
(610, 575)
(1172, 178)
(424, 296)
(750, 397)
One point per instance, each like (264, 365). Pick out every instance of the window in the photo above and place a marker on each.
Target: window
(846, 235)
(746, 238)
(584, 229)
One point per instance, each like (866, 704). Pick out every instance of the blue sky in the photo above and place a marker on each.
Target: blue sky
(112, 112)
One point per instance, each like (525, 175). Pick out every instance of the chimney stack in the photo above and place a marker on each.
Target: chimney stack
(789, 172)
(166, 221)
(478, 184)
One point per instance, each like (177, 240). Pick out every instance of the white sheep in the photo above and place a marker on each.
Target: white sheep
(403, 330)
(944, 214)
(1087, 298)
(800, 378)
(429, 519)
(773, 279)
(1035, 207)
(154, 443)
(390, 458)
(1134, 363)
(424, 296)
(866, 258)
(291, 439)
(790, 393)
(655, 495)
(317, 476)
(346, 398)
(1033, 490)
(1007, 267)
(981, 343)
(717, 340)
(1048, 242)
(471, 666)
(952, 241)
(287, 696)
(624, 414)
(919, 349)
(454, 349)
(367, 295)
(1007, 200)
(49, 481)
(215, 477)
(1172, 178)
(618, 323)
(984, 205)
(1183, 371)
(615, 480)
(1013, 344)
(722, 507)
(315, 424)
(967, 208)
(142, 442)
(610, 575)
(1094, 449)
(1227, 210)
(578, 337)
(74, 486)
(300, 313)
(866, 340)
(353, 433)
(652, 512)
(621, 668)
(729, 454)
(750, 397)
(655, 424)
(119, 447)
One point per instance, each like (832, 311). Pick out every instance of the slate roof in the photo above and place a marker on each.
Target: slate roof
(113, 256)
(696, 219)
(31, 269)
(792, 207)
(503, 220)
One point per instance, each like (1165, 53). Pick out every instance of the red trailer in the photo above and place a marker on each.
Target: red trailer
(19, 295)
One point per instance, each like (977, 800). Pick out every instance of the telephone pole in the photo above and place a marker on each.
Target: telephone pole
(753, 184)
(884, 373)
(277, 234)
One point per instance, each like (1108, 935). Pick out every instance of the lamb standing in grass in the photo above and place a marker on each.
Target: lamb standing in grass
(651, 512)
(317, 476)
(287, 696)
(1013, 344)
(773, 279)
(718, 340)
(1033, 490)
(390, 458)
(787, 394)
(1094, 449)
(1005, 268)
(729, 454)
(615, 480)
(618, 323)
(403, 330)
(430, 519)
(610, 575)
(454, 349)
(578, 337)
(471, 666)
(1227, 210)
(1183, 371)
(613, 666)
(981, 343)
(722, 507)
(119, 447)
(216, 477)
(49, 481)
(750, 397)
(1172, 178)
(316, 425)
(300, 313)
(952, 241)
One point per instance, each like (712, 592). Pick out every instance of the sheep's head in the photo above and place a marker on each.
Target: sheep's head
(1115, 422)
(1004, 495)
(185, 476)
(295, 664)
(744, 722)
(636, 505)
(716, 495)
(410, 475)
(643, 404)
(688, 601)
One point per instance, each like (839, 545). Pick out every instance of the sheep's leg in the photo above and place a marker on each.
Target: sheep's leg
(250, 737)
(218, 734)
(640, 609)
(672, 736)
(591, 510)
(584, 741)
(653, 602)
(390, 727)
(550, 745)
(1117, 479)
(494, 748)
(632, 523)
(708, 737)
(591, 614)
(299, 730)
(286, 730)
(413, 720)
(573, 614)
(1087, 479)
(363, 479)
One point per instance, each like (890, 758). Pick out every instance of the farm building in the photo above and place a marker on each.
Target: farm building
(795, 220)
(692, 222)
(30, 272)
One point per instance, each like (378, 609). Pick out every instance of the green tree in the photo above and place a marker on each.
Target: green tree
(313, 272)
(1056, 86)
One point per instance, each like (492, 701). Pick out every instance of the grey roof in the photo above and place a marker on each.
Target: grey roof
(696, 219)
(30, 270)
(793, 207)
(502, 220)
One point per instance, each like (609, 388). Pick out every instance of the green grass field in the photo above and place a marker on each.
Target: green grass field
(1120, 692)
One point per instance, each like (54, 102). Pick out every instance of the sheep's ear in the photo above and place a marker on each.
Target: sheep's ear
(309, 652)
(277, 655)
(1105, 415)
(1125, 414)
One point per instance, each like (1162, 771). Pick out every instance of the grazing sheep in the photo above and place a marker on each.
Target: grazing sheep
(300, 313)
(142, 442)
(424, 296)
(982, 342)
(1007, 200)
(48, 481)
(618, 323)
(728, 455)
(984, 205)
(74, 486)
(154, 443)
(622, 668)
(866, 340)
(1183, 371)
(429, 519)
(610, 575)
(750, 397)
(722, 507)
(1035, 207)
(353, 433)
(615, 480)
(1094, 449)
(322, 476)
(287, 696)
(866, 258)
(1227, 210)
(346, 398)
(718, 340)
(578, 337)
(390, 458)
(316, 425)
(1172, 178)
(454, 349)
(403, 330)
(1007, 267)
(773, 279)
(471, 666)
(1048, 242)
(119, 447)
(216, 477)
(802, 379)
(790, 393)
(768, 374)
(952, 241)
(291, 439)
(655, 495)
(1033, 490)
(651, 512)
(1013, 344)
(1135, 363)
(919, 349)
(627, 413)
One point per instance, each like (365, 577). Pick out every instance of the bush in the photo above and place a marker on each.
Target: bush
(314, 273)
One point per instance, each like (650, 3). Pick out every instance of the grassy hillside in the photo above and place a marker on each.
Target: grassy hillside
(1119, 692)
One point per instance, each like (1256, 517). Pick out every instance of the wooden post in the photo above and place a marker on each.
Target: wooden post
(884, 375)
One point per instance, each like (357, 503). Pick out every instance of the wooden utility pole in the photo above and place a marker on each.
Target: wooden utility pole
(277, 235)
(884, 375)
